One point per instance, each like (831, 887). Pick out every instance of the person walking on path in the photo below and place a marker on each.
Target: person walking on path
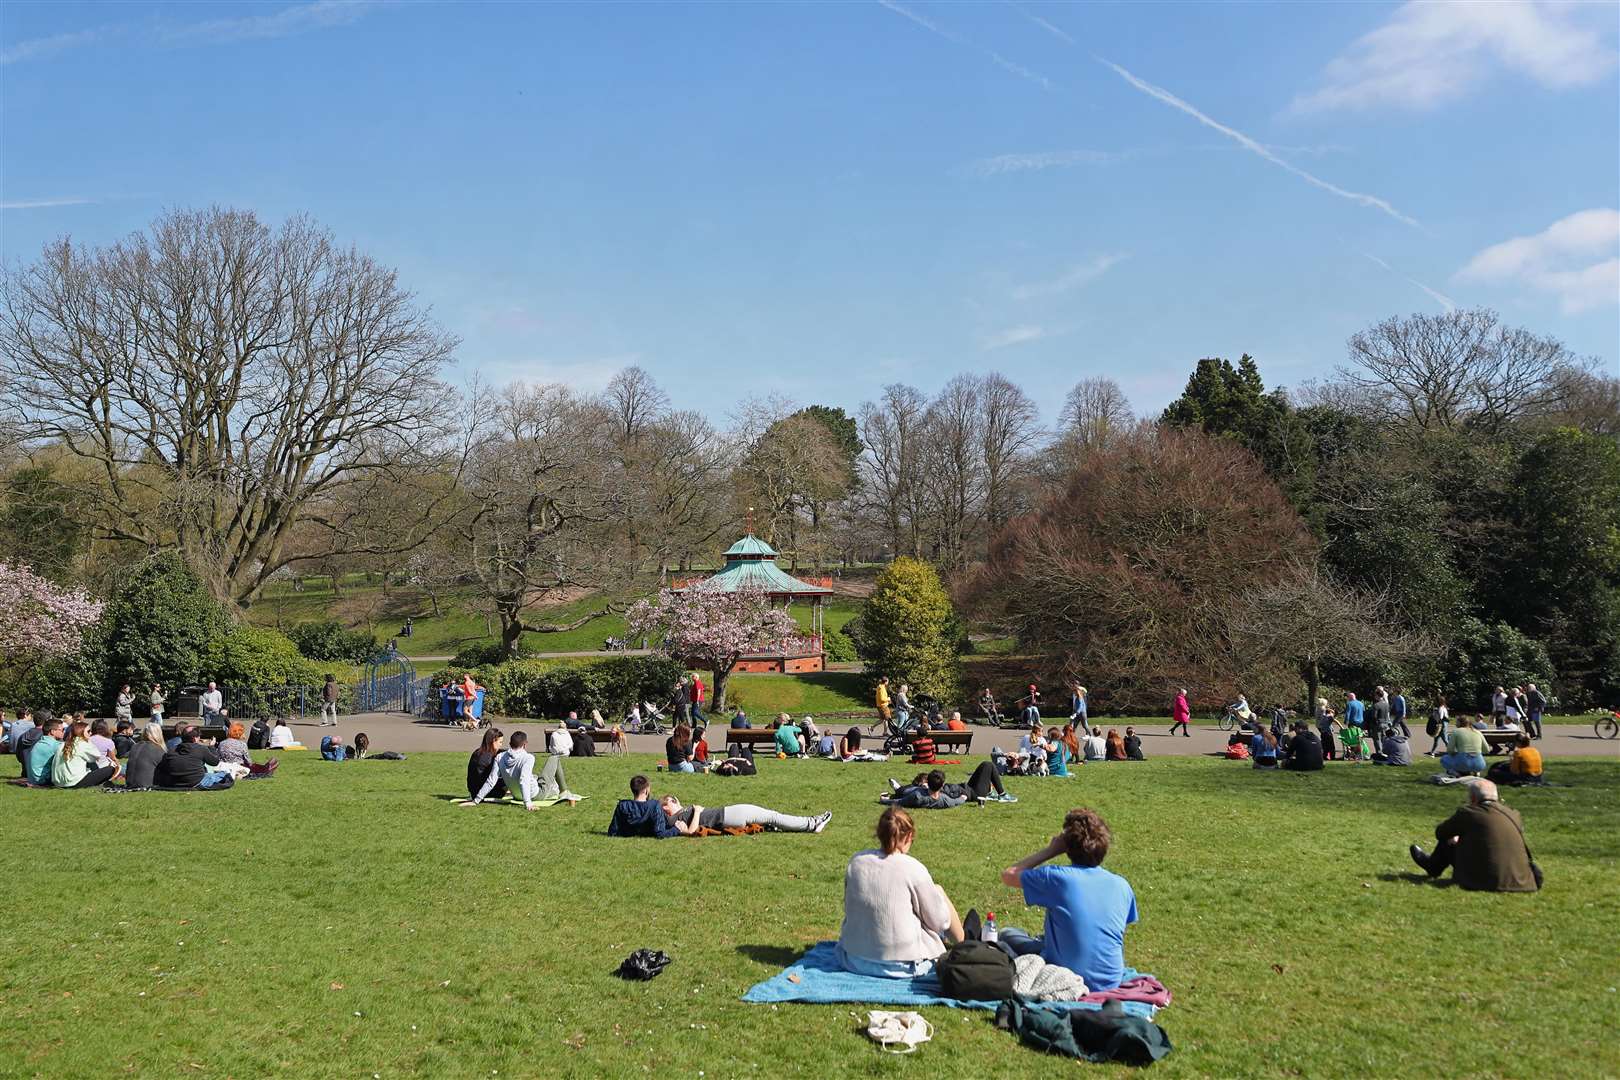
(1180, 714)
(1537, 702)
(1397, 713)
(697, 700)
(1439, 725)
(329, 699)
(882, 699)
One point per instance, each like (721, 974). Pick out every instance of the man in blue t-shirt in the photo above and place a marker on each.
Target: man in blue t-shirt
(1087, 907)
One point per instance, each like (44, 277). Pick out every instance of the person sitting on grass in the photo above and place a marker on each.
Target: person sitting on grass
(482, 762)
(850, 744)
(43, 750)
(514, 767)
(1133, 746)
(640, 816)
(80, 763)
(281, 736)
(191, 764)
(1263, 748)
(788, 736)
(678, 750)
(922, 748)
(140, 769)
(897, 922)
(1305, 750)
(123, 739)
(690, 820)
(1483, 843)
(1071, 740)
(1115, 745)
(1523, 766)
(1465, 752)
(1096, 747)
(101, 738)
(1087, 907)
(1057, 753)
(929, 791)
(233, 749)
(1396, 750)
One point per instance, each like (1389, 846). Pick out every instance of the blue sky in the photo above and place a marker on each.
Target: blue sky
(815, 200)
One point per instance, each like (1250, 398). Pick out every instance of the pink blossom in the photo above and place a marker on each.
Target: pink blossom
(713, 628)
(38, 620)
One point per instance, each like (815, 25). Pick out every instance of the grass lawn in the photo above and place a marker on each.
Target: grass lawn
(348, 920)
(764, 695)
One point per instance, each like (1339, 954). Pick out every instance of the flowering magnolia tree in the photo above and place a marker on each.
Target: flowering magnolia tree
(713, 629)
(38, 620)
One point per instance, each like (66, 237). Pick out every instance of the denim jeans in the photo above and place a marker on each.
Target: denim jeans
(884, 969)
(1463, 764)
(685, 766)
(1019, 942)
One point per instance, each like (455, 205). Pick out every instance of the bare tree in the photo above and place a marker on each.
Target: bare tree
(682, 464)
(1308, 619)
(1009, 427)
(637, 402)
(1094, 411)
(953, 467)
(791, 468)
(224, 380)
(1443, 371)
(891, 431)
(540, 504)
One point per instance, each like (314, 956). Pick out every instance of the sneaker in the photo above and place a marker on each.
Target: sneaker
(1007, 796)
(821, 821)
(894, 785)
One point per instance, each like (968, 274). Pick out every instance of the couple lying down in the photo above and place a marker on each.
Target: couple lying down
(641, 815)
(898, 923)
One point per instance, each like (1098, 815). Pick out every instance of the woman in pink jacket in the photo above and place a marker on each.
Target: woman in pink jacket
(1180, 714)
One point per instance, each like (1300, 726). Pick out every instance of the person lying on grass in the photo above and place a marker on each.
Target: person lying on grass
(514, 767)
(1484, 845)
(929, 791)
(640, 816)
(690, 820)
(897, 922)
(1087, 907)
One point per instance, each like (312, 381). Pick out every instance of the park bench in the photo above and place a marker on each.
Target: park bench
(599, 736)
(957, 742)
(751, 737)
(1500, 742)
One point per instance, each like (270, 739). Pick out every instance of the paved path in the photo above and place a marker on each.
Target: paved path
(396, 731)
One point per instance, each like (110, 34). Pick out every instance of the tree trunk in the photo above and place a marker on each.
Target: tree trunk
(433, 598)
(511, 627)
(1313, 680)
(718, 678)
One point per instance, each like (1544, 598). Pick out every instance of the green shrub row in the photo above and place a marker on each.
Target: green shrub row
(542, 690)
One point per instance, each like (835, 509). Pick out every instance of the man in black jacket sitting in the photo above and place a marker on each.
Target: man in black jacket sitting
(1304, 749)
(186, 766)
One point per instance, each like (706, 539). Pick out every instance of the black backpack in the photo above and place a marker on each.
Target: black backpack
(976, 971)
(259, 736)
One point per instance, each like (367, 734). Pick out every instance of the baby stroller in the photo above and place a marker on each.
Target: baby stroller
(898, 734)
(645, 721)
(927, 706)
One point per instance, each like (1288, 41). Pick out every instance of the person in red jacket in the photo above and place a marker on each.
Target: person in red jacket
(1180, 714)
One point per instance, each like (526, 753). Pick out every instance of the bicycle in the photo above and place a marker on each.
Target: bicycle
(1607, 727)
(1231, 718)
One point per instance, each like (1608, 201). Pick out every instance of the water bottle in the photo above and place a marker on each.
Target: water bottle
(990, 926)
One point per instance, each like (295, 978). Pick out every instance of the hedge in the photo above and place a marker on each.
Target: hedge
(542, 690)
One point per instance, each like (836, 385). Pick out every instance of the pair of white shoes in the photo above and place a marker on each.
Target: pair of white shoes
(819, 822)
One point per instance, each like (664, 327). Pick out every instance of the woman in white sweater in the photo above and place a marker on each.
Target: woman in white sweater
(897, 922)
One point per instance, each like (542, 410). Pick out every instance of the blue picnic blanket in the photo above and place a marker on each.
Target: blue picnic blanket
(822, 982)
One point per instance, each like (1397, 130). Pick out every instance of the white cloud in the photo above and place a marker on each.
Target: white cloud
(1254, 147)
(1013, 335)
(1048, 159)
(288, 21)
(1077, 276)
(1445, 302)
(952, 36)
(40, 48)
(1431, 53)
(1576, 259)
(39, 204)
(1043, 24)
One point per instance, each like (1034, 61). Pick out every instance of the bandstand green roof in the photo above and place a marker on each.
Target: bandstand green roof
(751, 562)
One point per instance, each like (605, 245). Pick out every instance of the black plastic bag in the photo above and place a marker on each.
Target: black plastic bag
(643, 964)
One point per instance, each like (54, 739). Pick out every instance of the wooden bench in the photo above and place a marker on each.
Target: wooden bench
(599, 736)
(958, 742)
(749, 736)
(1500, 742)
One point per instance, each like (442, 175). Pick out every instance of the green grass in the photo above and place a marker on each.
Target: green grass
(819, 692)
(347, 920)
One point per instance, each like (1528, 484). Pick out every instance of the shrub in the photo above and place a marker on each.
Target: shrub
(1484, 656)
(254, 656)
(533, 688)
(159, 624)
(480, 654)
(328, 639)
(909, 632)
(838, 647)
